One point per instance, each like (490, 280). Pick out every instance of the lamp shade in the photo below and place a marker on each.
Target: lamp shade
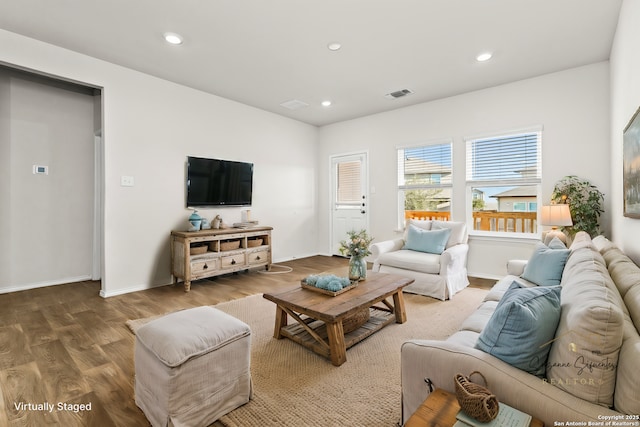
(556, 215)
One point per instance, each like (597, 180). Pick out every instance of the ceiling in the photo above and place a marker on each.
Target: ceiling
(266, 52)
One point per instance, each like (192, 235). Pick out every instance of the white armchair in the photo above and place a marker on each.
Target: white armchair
(438, 275)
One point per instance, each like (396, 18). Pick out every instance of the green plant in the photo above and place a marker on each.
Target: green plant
(585, 203)
(357, 244)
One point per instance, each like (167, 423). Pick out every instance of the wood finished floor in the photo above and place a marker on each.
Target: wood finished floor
(66, 345)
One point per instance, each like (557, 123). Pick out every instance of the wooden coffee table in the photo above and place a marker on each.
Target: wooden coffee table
(319, 317)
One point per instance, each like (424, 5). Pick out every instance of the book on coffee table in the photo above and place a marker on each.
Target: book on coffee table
(507, 417)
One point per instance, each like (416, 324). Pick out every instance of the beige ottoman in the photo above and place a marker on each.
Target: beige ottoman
(192, 367)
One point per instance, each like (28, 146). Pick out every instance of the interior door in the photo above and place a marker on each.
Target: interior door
(349, 197)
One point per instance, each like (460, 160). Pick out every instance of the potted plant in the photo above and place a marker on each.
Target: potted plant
(585, 203)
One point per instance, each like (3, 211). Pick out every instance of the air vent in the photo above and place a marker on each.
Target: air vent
(294, 104)
(398, 94)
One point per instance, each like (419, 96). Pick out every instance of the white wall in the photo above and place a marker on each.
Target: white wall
(46, 217)
(572, 106)
(150, 127)
(625, 99)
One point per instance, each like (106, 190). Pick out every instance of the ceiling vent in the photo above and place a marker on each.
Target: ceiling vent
(398, 94)
(294, 104)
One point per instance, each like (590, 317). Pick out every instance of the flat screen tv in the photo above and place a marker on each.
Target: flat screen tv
(215, 182)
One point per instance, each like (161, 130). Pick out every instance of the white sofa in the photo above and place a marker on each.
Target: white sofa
(593, 365)
(436, 275)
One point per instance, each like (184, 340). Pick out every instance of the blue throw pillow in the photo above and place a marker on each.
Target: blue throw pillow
(522, 327)
(431, 241)
(546, 265)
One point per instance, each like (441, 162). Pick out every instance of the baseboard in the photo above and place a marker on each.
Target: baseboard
(44, 284)
(275, 261)
(128, 290)
(137, 288)
(484, 276)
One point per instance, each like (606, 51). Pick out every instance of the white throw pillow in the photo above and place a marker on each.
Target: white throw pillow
(458, 231)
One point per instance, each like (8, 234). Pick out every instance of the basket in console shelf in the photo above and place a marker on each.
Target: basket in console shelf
(197, 250)
(229, 245)
(252, 243)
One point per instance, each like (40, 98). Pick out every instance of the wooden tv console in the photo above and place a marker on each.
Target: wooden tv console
(227, 250)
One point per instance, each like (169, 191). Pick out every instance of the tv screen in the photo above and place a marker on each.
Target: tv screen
(215, 182)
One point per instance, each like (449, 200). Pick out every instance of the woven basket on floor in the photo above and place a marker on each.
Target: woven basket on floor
(353, 322)
(476, 400)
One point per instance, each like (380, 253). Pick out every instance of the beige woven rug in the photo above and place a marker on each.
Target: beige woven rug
(295, 387)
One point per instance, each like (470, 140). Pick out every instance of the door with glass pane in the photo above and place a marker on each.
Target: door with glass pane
(349, 197)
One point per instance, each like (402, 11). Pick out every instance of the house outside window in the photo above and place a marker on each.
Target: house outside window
(424, 182)
(503, 182)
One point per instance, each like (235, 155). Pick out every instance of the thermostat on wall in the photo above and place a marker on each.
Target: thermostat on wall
(43, 170)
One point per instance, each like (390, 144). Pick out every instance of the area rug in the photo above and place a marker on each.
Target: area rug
(295, 387)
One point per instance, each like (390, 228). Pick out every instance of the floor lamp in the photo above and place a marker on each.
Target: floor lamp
(556, 216)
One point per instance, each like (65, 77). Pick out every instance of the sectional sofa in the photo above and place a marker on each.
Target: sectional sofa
(590, 369)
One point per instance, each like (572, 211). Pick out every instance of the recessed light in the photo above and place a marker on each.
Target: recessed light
(173, 38)
(334, 46)
(326, 103)
(484, 57)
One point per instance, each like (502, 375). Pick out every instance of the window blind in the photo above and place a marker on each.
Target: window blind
(513, 159)
(425, 166)
(349, 183)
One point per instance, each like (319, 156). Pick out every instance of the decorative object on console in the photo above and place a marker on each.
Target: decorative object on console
(357, 247)
(216, 222)
(585, 203)
(245, 224)
(205, 225)
(556, 216)
(195, 220)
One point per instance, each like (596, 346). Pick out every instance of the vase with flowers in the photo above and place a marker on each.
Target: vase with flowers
(356, 246)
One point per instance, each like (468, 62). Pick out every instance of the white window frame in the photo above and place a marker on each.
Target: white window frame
(534, 181)
(402, 187)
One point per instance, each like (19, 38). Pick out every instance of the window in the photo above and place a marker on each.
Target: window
(349, 191)
(503, 181)
(519, 206)
(424, 182)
